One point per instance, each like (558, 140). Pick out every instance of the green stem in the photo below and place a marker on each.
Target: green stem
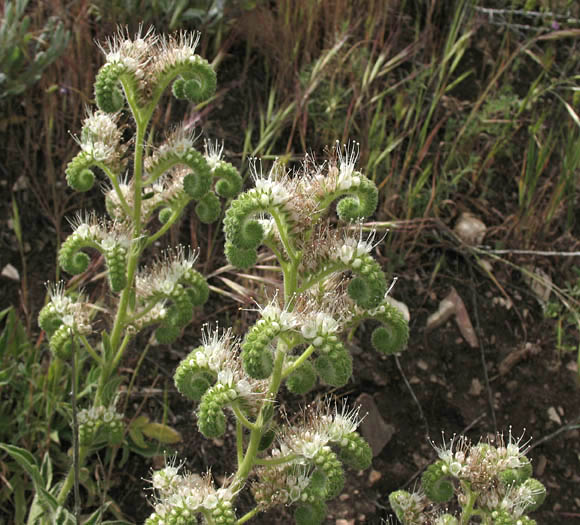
(467, 510)
(248, 516)
(305, 355)
(70, 477)
(92, 352)
(241, 417)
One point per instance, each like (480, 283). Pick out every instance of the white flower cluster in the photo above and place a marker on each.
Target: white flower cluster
(72, 313)
(101, 137)
(323, 424)
(105, 234)
(318, 326)
(186, 494)
(481, 462)
(213, 153)
(351, 249)
(133, 54)
(347, 176)
(269, 190)
(279, 318)
(95, 415)
(166, 275)
(177, 50)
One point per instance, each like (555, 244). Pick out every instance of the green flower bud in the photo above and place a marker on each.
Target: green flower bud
(392, 337)
(327, 463)
(49, 319)
(534, 492)
(199, 80)
(436, 484)
(211, 419)
(369, 286)
(60, 343)
(362, 204)
(108, 96)
(257, 356)
(229, 181)
(177, 88)
(312, 513)
(407, 507)
(516, 476)
(197, 291)
(334, 367)
(79, 176)
(355, 451)
(303, 379)
(191, 380)
(164, 215)
(70, 258)
(116, 260)
(223, 513)
(208, 208)
(243, 258)
(196, 185)
(446, 519)
(240, 229)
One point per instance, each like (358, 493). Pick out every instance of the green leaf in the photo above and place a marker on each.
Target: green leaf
(27, 461)
(162, 433)
(137, 436)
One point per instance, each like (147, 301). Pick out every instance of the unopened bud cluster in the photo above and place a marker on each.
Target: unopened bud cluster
(490, 481)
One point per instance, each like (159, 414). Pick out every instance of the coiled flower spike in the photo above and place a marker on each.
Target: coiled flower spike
(359, 194)
(256, 354)
(109, 238)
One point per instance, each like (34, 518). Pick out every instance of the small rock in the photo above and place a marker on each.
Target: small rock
(373, 428)
(553, 416)
(344, 522)
(422, 364)
(470, 229)
(10, 272)
(344, 496)
(374, 476)
(475, 388)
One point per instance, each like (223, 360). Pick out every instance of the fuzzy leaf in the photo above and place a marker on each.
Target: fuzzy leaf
(162, 433)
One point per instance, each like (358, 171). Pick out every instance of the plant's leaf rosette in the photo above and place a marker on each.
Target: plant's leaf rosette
(62, 319)
(175, 288)
(315, 473)
(100, 424)
(257, 347)
(138, 69)
(182, 498)
(101, 146)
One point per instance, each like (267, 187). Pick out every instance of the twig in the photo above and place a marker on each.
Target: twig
(531, 252)
(410, 388)
(570, 426)
(482, 351)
